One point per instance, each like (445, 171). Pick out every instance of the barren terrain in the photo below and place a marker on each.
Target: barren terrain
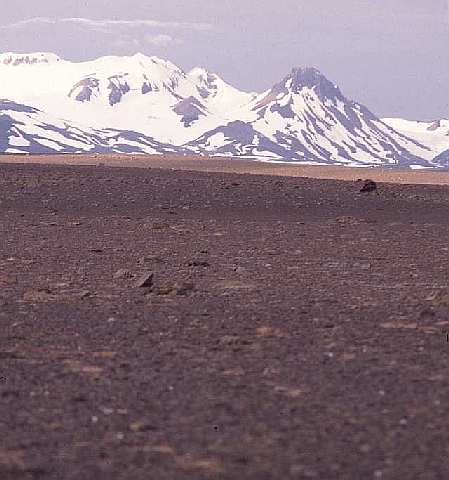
(168, 324)
(242, 166)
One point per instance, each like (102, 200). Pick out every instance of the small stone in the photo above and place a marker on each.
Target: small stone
(141, 427)
(145, 280)
(239, 270)
(161, 291)
(365, 448)
(150, 259)
(123, 273)
(106, 411)
(198, 263)
(184, 289)
(229, 340)
(369, 186)
(39, 295)
(6, 280)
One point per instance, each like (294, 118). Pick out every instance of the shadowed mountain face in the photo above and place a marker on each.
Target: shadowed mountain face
(16, 107)
(442, 159)
(190, 110)
(303, 118)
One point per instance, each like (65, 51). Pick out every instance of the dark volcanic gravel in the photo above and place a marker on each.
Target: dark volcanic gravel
(177, 325)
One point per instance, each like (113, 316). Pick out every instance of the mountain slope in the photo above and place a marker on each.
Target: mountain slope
(442, 159)
(25, 129)
(141, 93)
(305, 117)
(237, 139)
(435, 135)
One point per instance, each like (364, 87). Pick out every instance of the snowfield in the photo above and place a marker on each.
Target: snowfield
(435, 135)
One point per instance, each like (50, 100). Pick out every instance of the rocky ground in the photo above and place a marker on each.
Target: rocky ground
(239, 165)
(162, 324)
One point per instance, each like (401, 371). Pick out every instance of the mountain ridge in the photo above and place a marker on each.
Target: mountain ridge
(304, 117)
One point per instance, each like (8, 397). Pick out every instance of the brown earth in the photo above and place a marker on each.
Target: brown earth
(238, 165)
(287, 328)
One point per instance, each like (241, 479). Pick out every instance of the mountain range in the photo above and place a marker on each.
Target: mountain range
(141, 104)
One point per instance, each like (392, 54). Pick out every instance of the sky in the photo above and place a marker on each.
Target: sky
(391, 55)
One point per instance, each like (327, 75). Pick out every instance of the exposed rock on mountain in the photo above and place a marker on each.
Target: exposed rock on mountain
(190, 109)
(85, 89)
(17, 59)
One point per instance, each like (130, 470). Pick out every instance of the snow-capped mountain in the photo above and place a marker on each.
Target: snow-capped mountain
(305, 117)
(25, 129)
(141, 93)
(146, 104)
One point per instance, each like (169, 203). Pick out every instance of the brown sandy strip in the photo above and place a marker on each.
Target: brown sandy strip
(240, 166)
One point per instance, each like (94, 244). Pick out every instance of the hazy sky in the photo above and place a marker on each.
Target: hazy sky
(391, 55)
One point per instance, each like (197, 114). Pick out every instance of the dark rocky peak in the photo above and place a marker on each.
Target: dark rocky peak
(313, 79)
(298, 82)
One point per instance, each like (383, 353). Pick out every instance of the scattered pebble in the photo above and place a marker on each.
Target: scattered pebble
(145, 280)
(369, 186)
(123, 273)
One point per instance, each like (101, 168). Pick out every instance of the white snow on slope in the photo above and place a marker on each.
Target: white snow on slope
(143, 91)
(29, 130)
(434, 135)
(305, 117)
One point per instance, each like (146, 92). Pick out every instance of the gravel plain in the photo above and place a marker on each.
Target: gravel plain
(168, 324)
